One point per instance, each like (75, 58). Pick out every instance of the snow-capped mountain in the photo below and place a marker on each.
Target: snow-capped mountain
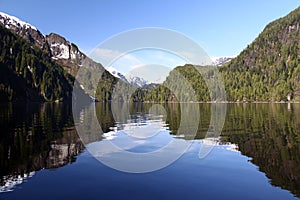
(62, 51)
(11, 21)
(116, 73)
(218, 61)
(136, 81)
(133, 80)
(59, 47)
(25, 30)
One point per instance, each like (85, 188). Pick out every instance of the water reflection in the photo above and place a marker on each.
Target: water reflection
(34, 137)
(38, 136)
(137, 126)
(270, 135)
(267, 133)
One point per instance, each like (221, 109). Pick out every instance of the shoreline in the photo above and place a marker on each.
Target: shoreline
(160, 102)
(228, 102)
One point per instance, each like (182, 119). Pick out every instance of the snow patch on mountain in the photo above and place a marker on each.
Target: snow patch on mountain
(129, 78)
(136, 81)
(74, 55)
(116, 73)
(218, 61)
(23, 29)
(64, 50)
(9, 21)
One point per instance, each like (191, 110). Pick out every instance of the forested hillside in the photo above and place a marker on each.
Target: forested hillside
(27, 73)
(44, 68)
(267, 70)
(37, 68)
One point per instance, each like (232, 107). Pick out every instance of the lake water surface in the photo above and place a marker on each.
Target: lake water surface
(43, 156)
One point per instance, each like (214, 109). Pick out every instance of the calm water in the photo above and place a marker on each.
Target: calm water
(43, 157)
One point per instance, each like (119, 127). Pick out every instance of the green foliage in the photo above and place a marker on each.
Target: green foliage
(31, 133)
(267, 70)
(28, 73)
(269, 134)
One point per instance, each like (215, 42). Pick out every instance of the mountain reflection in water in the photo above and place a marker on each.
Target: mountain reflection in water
(43, 136)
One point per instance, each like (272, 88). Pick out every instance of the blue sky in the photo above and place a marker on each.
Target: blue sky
(221, 27)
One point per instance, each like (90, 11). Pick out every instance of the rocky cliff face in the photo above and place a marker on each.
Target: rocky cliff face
(68, 55)
(62, 49)
(65, 53)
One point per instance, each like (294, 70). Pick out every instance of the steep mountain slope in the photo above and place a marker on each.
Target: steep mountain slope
(267, 70)
(57, 52)
(68, 56)
(27, 73)
(23, 29)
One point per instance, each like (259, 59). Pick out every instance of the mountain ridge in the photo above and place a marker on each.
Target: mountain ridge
(268, 67)
(133, 80)
(267, 70)
(64, 54)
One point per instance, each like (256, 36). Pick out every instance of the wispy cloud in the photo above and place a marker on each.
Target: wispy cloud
(118, 60)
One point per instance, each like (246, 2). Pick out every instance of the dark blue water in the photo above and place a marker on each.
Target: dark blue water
(255, 158)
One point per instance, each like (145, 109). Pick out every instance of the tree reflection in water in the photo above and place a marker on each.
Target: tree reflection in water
(38, 136)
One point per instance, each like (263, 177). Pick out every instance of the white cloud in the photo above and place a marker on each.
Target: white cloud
(152, 73)
(111, 58)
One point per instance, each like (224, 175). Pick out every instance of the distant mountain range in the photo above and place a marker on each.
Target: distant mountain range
(39, 67)
(133, 80)
(141, 82)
